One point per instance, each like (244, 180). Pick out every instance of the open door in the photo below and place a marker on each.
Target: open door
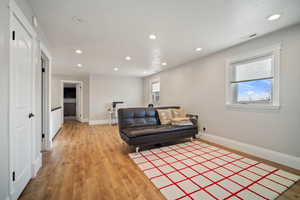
(78, 102)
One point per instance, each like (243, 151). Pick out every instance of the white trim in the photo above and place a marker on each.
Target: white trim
(281, 158)
(37, 165)
(84, 120)
(47, 143)
(70, 117)
(15, 10)
(81, 96)
(274, 51)
(97, 122)
(253, 106)
(56, 133)
(45, 50)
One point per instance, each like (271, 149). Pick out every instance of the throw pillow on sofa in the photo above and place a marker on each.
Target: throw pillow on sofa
(165, 116)
(181, 121)
(178, 113)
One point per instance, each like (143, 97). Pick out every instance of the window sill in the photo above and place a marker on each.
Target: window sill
(253, 106)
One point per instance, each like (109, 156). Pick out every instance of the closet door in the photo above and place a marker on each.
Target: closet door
(21, 50)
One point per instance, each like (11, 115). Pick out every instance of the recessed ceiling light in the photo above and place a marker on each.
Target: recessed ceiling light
(127, 58)
(79, 65)
(145, 72)
(152, 37)
(78, 51)
(198, 49)
(274, 17)
(163, 63)
(116, 69)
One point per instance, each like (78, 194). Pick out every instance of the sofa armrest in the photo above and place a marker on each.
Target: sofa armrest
(193, 118)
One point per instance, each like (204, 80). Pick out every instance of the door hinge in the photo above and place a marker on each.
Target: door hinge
(43, 135)
(14, 176)
(13, 35)
(43, 69)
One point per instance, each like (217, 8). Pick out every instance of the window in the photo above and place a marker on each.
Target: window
(252, 80)
(155, 92)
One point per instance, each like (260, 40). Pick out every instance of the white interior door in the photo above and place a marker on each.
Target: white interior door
(78, 101)
(21, 106)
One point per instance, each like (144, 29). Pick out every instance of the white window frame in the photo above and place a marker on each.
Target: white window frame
(151, 98)
(272, 51)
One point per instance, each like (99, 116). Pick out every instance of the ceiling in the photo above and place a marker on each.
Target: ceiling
(109, 30)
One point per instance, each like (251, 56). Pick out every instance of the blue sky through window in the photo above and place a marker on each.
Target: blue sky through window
(258, 90)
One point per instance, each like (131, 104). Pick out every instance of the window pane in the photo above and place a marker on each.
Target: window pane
(259, 91)
(155, 87)
(255, 69)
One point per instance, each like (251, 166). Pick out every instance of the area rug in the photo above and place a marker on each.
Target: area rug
(196, 170)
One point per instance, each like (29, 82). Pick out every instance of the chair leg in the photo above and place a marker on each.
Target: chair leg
(137, 149)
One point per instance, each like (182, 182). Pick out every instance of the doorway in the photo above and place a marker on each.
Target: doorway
(72, 100)
(45, 96)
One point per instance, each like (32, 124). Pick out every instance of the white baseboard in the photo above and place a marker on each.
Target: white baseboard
(37, 165)
(69, 117)
(84, 120)
(281, 158)
(97, 122)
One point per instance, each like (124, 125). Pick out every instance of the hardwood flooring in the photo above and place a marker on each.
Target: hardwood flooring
(92, 163)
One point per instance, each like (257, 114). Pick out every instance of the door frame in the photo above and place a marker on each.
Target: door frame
(47, 141)
(62, 97)
(16, 12)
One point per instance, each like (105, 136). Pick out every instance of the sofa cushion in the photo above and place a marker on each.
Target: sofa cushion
(165, 116)
(135, 117)
(154, 130)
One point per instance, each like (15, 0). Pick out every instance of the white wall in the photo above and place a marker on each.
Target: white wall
(4, 67)
(199, 87)
(56, 93)
(106, 89)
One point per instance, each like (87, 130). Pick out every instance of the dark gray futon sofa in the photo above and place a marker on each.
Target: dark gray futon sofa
(141, 126)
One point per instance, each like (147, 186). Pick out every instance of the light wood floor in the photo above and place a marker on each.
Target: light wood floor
(91, 163)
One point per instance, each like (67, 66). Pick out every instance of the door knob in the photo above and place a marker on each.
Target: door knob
(30, 115)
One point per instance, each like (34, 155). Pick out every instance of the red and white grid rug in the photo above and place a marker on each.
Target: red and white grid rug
(195, 170)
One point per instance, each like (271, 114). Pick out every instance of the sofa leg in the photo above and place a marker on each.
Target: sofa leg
(137, 149)
(192, 139)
